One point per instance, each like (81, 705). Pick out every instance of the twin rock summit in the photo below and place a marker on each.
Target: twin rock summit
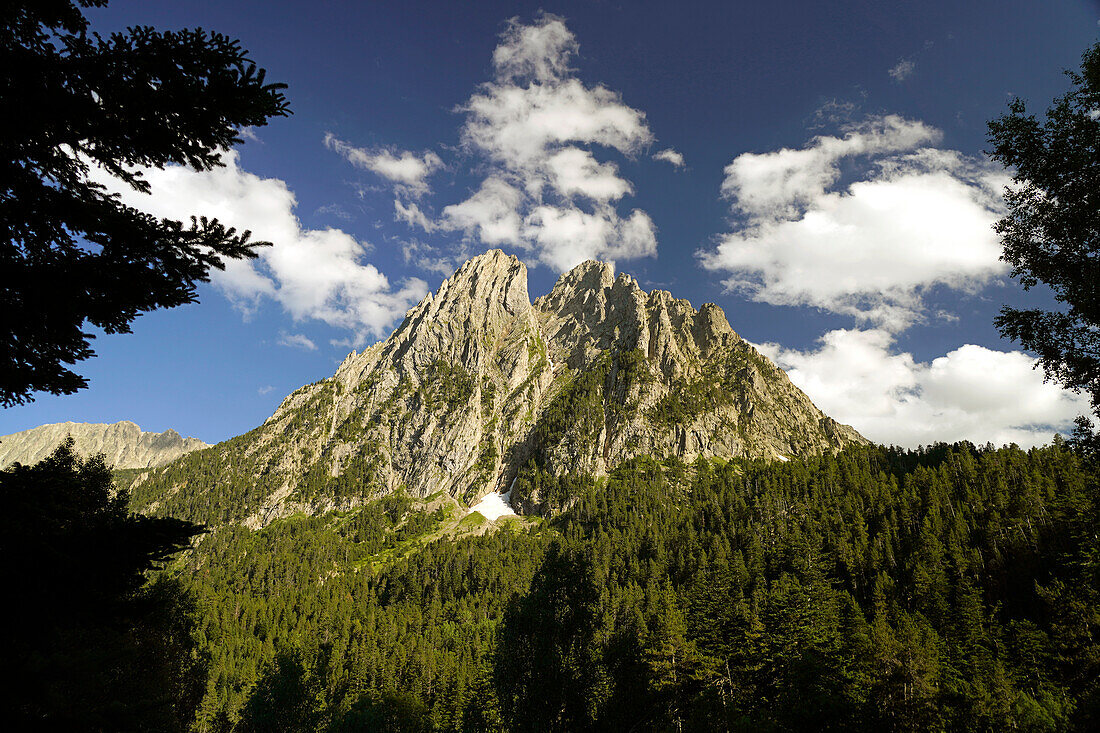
(479, 384)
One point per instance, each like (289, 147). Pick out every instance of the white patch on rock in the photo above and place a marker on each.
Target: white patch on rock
(495, 505)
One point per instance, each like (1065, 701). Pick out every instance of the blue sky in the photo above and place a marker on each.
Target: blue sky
(813, 168)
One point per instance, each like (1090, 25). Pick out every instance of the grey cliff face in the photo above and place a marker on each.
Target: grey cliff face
(478, 381)
(124, 444)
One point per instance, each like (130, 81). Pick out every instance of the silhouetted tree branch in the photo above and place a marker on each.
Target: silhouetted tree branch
(1051, 234)
(71, 253)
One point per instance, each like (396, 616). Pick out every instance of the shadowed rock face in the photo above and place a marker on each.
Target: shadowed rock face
(478, 381)
(123, 443)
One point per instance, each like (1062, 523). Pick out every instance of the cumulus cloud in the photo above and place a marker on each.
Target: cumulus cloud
(971, 393)
(408, 170)
(317, 274)
(917, 217)
(296, 341)
(492, 214)
(575, 172)
(537, 107)
(568, 236)
(902, 70)
(669, 155)
(785, 183)
(534, 130)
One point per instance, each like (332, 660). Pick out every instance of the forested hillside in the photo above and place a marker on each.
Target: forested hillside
(948, 588)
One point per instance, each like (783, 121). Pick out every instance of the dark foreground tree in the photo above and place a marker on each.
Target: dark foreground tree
(88, 643)
(287, 698)
(70, 253)
(1052, 232)
(548, 671)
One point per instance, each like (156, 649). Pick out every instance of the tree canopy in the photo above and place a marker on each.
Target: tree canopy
(1051, 234)
(71, 253)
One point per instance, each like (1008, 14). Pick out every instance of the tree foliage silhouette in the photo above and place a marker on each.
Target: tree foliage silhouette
(548, 671)
(1051, 234)
(71, 254)
(89, 644)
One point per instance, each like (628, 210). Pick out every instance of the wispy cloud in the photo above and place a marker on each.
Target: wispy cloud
(903, 69)
(296, 341)
(335, 210)
(432, 259)
(412, 215)
(669, 155)
(410, 171)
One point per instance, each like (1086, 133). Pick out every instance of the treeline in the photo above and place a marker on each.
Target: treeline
(952, 588)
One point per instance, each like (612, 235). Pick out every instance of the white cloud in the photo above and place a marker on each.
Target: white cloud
(918, 217)
(575, 172)
(971, 393)
(568, 236)
(409, 170)
(903, 69)
(534, 132)
(785, 183)
(296, 341)
(519, 126)
(540, 52)
(313, 273)
(492, 213)
(266, 389)
(412, 215)
(670, 156)
(536, 127)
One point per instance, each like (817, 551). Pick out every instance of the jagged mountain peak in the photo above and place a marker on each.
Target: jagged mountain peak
(494, 279)
(590, 311)
(590, 275)
(459, 324)
(479, 385)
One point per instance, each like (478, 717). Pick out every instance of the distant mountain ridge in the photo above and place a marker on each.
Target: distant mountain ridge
(124, 443)
(479, 384)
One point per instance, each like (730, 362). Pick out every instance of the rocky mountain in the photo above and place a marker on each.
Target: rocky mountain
(124, 443)
(479, 385)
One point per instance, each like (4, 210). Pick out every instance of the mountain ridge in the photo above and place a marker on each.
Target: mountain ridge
(124, 444)
(480, 383)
